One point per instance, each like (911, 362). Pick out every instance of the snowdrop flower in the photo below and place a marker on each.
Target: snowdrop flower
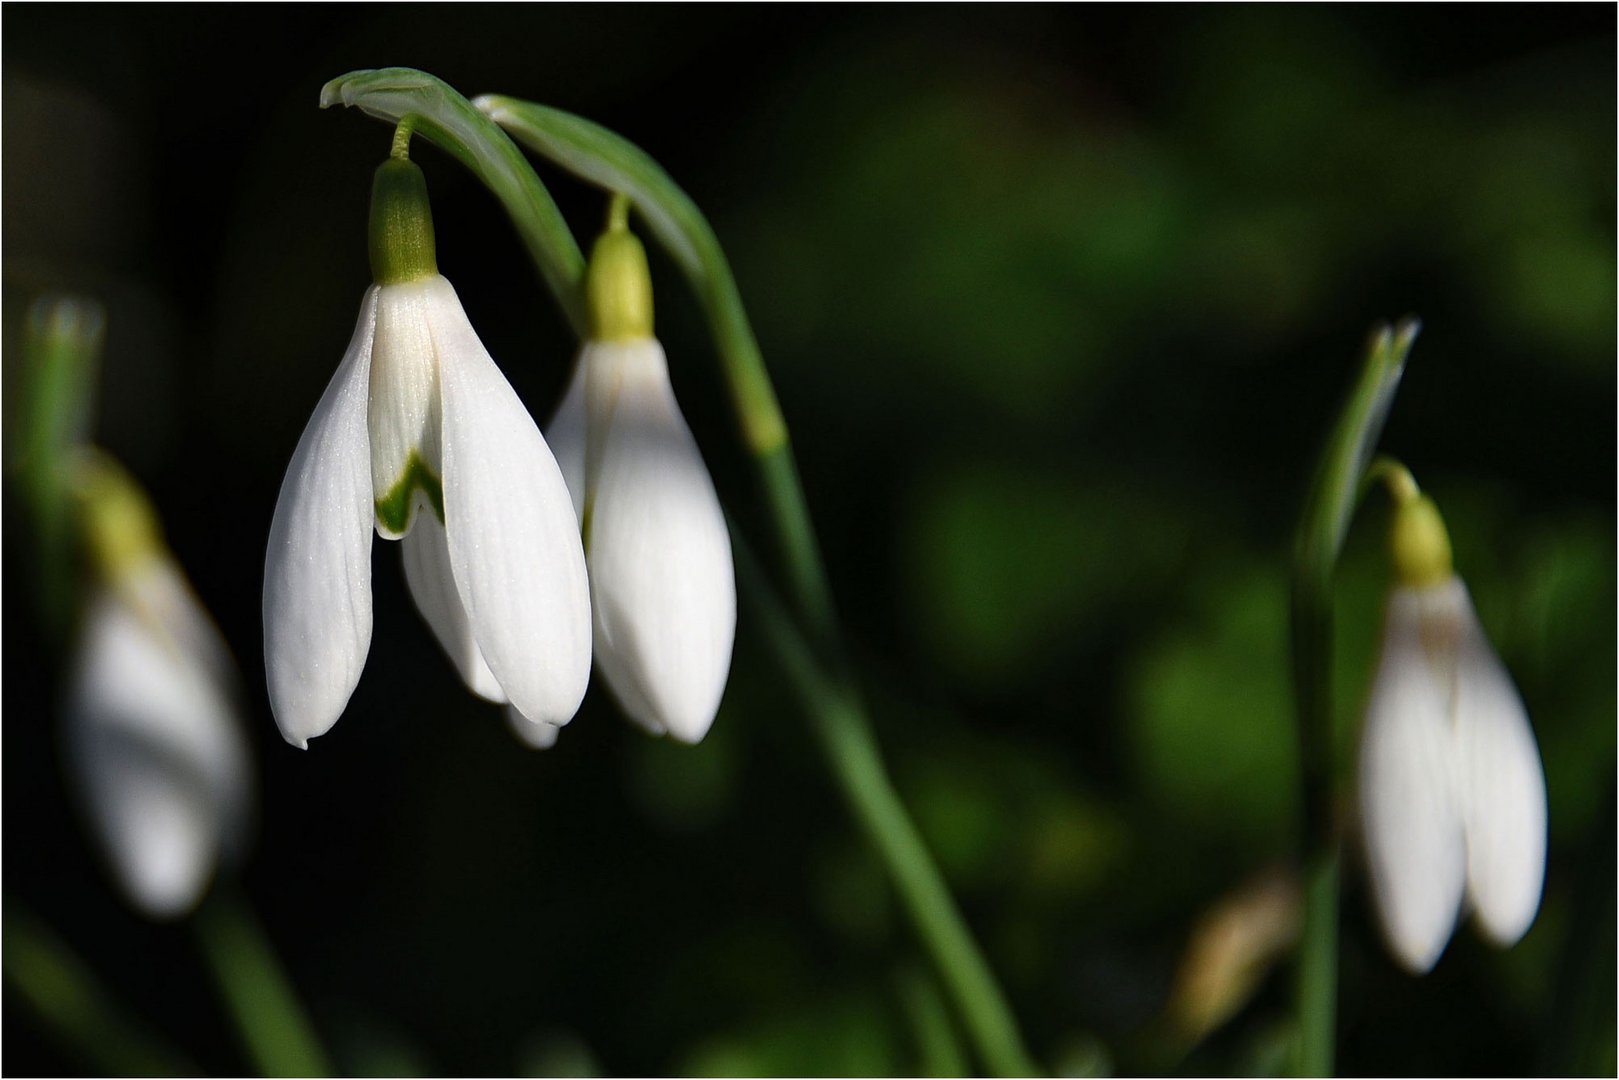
(662, 587)
(154, 739)
(1452, 798)
(420, 436)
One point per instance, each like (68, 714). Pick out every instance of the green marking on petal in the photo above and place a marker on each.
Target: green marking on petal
(393, 509)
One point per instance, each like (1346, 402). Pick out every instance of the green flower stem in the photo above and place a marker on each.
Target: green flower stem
(602, 157)
(938, 1051)
(608, 160)
(61, 359)
(448, 120)
(843, 729)
(1578, 1037)
(1328, 510)
(62, 992)
(800, 553)
(1388, 471)
(841, 725)
(277, 1034)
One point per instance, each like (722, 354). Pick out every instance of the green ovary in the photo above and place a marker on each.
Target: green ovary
(393, 509)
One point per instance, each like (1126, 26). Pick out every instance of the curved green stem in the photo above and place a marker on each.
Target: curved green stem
(61, 360)
(938, 1051)
(843, 729)
(1328, 510)
(278, 1035)
(442, 116)
(1393, 475)
(608, 160)
(840, 722)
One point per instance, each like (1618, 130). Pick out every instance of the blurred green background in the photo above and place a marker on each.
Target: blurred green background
(1060, 303)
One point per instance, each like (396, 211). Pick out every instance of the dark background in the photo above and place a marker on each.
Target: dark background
(1060, 303)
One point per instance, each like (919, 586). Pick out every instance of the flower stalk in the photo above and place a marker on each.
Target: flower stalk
(446, 119)
(843, 730)
(271, 1021)
(840, 722)
(61, 358)
(1328, 510)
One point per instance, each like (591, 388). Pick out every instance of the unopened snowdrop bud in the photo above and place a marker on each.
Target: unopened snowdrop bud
(420, 437)
(663, 592)
(1452, 797)
(154, 738)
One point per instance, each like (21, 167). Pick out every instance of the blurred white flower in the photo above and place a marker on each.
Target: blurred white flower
(153, 734)
(418, 418)
(1452, 797)
(663, 592)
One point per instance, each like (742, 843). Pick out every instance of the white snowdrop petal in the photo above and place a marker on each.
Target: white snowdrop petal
(662, 584)
(1409, 812)
(403, 411)
(1503, 790)
(625, 680)
(565, 435)
(536, 735)
(158, 754)
(317, 573)
(160, 594)
(426, 553)
(513, 537)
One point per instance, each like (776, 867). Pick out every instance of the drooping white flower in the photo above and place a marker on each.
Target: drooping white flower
(154, 737)
(420, 437)
(663, 591)
(1452, 796)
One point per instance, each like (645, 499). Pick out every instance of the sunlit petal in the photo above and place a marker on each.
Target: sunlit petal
(662, 584)
(317, 574)
(513, 537)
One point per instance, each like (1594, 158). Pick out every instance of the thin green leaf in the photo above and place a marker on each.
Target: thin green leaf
(449, 121)
(610, 161)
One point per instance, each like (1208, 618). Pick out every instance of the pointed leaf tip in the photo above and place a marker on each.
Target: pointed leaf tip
(329, 94)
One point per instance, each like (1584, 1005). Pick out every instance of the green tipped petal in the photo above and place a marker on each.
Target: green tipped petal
(393, 509)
